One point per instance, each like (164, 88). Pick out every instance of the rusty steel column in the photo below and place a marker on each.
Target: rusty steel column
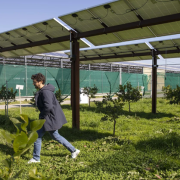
(154, 81)
(75, 83)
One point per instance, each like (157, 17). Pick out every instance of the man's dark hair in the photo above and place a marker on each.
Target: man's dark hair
(39, 77)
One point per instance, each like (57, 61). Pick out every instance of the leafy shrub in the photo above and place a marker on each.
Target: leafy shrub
(111, 108)
(59, 96)
(128, 94)
(7, 95)
(90, 91)
(21, 142)
(173, 95)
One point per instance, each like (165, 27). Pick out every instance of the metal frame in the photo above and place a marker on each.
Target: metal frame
(157, 52)
(75, 54)
(154, 81)
(75, 84)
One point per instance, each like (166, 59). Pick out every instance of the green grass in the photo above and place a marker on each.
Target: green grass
(146, 145)
(16, 102)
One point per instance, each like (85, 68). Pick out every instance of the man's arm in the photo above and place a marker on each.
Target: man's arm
(47, 100)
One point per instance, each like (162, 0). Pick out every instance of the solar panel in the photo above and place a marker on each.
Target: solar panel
(45, 30)
(121, 13)
(166, 46)
(102, 55)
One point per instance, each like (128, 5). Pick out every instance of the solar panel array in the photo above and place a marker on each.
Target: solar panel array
(110, 54)
(28, 40)
(123, 12)
(45, 30)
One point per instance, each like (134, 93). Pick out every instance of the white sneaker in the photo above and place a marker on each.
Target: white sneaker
(75, 153)
(33, 161)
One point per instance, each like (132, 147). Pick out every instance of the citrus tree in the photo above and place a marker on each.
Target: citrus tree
(111, 108)
(90, 91)
(128, 94)
(173, 95)
(7, 95)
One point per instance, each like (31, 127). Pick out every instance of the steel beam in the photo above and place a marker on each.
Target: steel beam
(75, 84)
(130, 55)
(25, 62)
(37, 43)
(154, 81)
(133, 25)
(116, 56)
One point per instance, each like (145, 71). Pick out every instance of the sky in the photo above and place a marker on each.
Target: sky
(19, 13)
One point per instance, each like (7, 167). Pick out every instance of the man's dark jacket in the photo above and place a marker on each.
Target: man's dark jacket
(49, 108)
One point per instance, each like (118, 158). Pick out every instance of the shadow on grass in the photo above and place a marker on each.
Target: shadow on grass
(147, 115)
(6, 149)
(124, 112)
(166, 142)
(152, 155)
(6, 124)
(23, 105)
(78, 135)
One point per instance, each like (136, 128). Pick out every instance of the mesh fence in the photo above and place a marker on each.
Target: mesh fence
(172, 79)
(106, 81)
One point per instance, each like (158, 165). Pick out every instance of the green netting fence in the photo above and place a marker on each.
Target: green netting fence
(107, 82)
(172, 79)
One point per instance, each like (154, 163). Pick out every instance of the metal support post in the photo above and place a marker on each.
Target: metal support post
(3, 60)
(120, 75)
(61, 63)
(7, 96)
(75, 85)
(20, 100)
(154, 81)
(25, 62)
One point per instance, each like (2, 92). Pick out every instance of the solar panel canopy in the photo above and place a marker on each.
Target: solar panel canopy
(33, 33)
(123, 12)
(113, 52)
(166, 46)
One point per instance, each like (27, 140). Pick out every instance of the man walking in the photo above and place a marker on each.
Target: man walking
(51, 111)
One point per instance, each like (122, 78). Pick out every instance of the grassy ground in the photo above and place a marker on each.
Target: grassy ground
(16, 102)
(146, 145)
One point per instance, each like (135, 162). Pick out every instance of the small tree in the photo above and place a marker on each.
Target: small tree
(90, 91)
(128, 94)
(111, 108)
(172, 94)
(7, 95)
(59, 96)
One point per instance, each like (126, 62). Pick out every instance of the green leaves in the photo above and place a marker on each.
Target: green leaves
(59, 96)
(36, 125)
(9, 137)
(111, 108)
(128, 94)
(26, 121)
(90, 91)
(35, 175)
(20, 142)
(172, 94)
(7, 94)
(32, 138)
